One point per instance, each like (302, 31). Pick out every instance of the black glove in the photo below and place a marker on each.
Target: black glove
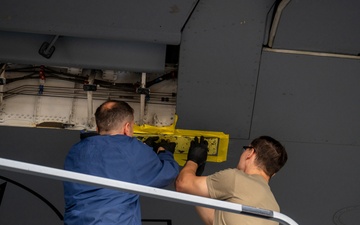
(151, 142)
(198, 151)
(170, 146)
(200, 169)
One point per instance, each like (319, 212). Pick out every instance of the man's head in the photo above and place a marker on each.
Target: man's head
(115, 117)
(271, 155)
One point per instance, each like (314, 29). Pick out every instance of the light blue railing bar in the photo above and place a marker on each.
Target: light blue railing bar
(63, 175)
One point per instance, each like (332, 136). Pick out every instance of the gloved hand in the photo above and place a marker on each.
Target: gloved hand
(151, 142)
(198, 151)
(170, 146)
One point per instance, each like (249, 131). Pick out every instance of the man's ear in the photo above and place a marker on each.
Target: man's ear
(250, 154)
(128, 129)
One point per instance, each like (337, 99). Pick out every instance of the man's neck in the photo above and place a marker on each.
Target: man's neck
(256, 170)
(114, 132)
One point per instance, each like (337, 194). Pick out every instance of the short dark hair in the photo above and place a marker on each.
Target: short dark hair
(271, 155)
(112, 114)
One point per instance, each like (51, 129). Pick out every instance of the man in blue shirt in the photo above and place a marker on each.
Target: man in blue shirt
(114, 154)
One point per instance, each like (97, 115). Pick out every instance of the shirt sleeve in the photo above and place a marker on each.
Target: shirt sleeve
(221, 184)
(156, 170)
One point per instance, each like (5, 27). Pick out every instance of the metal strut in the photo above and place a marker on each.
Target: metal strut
(158, 193)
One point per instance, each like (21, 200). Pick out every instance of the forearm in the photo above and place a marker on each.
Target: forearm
(188, 182)
(185, 177)
(206, 214)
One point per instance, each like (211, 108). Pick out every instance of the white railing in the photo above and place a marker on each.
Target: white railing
(63, 175)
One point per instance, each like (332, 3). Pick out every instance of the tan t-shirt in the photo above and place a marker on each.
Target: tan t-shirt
(235, 186)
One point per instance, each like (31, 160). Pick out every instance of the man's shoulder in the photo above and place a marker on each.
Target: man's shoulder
(230, 172)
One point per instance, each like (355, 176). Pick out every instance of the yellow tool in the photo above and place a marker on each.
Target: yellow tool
(217, 141)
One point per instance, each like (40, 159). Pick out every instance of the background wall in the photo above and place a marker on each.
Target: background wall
(231, 81)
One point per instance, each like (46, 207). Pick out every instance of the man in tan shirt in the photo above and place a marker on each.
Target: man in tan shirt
(247, 184)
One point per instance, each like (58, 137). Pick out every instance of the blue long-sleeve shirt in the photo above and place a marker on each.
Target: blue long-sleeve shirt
(116, 157)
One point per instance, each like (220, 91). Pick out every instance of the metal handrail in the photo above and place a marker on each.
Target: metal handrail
(63, 175)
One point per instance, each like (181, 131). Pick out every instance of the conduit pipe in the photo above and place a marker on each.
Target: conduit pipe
(276, 21)
(321, 54)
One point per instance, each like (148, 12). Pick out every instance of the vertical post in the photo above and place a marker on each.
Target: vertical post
(90, 106)
(2, 76)
(142, 99)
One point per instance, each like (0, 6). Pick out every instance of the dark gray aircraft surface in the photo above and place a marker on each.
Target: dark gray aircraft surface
(289, 69)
